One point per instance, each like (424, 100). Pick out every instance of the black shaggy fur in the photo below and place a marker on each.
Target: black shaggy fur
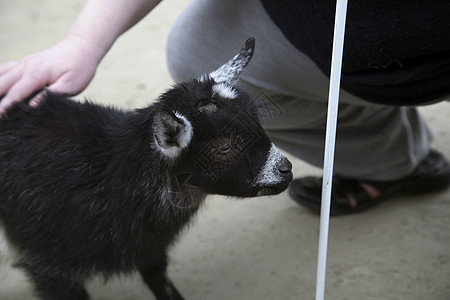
(86, 189)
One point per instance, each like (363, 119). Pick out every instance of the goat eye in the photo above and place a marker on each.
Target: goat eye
(224, 149)
(207, 107)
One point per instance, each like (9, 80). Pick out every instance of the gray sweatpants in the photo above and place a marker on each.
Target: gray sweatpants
(374, 142)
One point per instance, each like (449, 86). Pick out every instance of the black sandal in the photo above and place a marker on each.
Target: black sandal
(352, 196)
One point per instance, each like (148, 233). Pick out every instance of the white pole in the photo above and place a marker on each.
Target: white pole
(330, 142)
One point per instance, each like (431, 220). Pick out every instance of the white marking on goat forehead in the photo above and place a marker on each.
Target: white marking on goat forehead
(204, 78)
(269, 174)
(224, 90)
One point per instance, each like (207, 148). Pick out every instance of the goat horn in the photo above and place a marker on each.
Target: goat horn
(230, 71)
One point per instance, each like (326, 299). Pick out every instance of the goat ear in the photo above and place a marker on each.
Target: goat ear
(172, 132)
(229, 72)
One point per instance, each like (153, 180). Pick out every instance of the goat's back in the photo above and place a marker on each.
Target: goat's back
(66, 179)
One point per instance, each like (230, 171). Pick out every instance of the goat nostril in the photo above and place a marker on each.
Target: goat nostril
(285, 167)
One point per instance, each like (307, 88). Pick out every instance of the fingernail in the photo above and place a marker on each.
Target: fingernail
(34, 103)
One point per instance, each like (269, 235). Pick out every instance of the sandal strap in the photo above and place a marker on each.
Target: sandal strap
(344, 189)
(432, 174)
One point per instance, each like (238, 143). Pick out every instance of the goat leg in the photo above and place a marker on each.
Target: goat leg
(154, 274)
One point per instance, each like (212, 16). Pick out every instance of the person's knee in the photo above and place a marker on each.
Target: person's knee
(178, 70)
(202, 38)
(187, 49)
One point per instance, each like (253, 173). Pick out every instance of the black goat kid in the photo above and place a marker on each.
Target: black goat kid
(86, 189)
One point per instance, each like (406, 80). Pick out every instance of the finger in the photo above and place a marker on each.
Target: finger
(19, 91)
(37, 100)
(6, 67)
(69, 85)
(8, 80)
(62, 86)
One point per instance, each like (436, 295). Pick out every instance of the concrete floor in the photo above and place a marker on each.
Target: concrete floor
(264, 248)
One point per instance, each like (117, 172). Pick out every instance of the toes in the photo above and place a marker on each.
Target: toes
(371, 190)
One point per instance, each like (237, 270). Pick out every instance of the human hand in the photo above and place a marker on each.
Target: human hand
(66, 68)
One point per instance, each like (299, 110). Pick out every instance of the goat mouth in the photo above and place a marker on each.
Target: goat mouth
(274, 189)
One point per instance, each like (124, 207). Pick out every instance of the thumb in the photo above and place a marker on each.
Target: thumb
(60, 88)
(66, 85)
(57, 87)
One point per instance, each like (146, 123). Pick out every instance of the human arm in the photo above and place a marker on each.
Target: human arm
(70, 65)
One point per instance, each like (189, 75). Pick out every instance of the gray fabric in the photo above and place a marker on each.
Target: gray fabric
(374, 142)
